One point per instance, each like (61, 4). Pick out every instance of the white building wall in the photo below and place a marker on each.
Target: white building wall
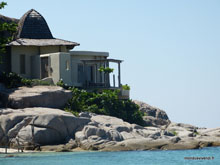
(65, 68)
(29, 51)
(52, 49)
(16, 51)
(58, 61)
(74, 73)
(35, 67)
(55, 66)
(59, 68)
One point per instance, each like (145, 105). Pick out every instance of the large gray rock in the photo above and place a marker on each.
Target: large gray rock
(182, 130)
(45, 125)
(112, 134)
(42, 136)
(153, 116)
(37, 96)
(105, 131)
(137, 144)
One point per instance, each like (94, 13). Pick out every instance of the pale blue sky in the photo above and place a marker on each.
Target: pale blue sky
(170, 48)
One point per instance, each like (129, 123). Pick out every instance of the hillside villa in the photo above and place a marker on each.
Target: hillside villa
(34, 53)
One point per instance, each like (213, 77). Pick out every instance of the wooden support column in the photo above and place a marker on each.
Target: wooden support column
(101, 73)
(108, 75)
(114, 80)
(85, 74)
(96, 73)
(119, 75)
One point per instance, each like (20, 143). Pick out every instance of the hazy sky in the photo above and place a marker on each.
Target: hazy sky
(170, 48)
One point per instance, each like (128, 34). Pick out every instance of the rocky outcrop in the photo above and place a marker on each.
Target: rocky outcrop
(57, 130)
(43, 126)
(37, 96)
(52, 129)
(182, 130)
(153, 116)
(112, 134)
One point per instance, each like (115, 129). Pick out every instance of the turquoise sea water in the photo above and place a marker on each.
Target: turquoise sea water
(211, 156)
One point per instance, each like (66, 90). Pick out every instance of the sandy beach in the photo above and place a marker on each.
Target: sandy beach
(10, 151)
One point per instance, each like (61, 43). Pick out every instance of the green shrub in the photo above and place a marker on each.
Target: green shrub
(106, 70)
(13, 80)
(26, 82)
(126, 87)
(106, 103)
(39, 82)
(62, 84)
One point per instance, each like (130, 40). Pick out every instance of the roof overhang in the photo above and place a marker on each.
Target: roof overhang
(103, 60)
(42, 42)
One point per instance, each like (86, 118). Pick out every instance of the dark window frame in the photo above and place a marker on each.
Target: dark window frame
(80, 71)
(22, 64)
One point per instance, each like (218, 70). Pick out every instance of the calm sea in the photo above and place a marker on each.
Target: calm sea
(206, 156)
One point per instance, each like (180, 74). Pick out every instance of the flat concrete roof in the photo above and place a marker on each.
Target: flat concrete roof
(89, 53)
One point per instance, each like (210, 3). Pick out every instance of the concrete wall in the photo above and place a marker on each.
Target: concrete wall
(29, 51)
(59, 68)
(16, 51)
(65, 68)
(74, 73)
(57, 61)
(35, 67)
(52, 49)
(55, 66)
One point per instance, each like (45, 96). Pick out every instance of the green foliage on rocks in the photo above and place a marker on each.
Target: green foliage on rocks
(174, 133)
(6, 27)
(13, 80)
(36, 82)
(62, 84)
(105, 102)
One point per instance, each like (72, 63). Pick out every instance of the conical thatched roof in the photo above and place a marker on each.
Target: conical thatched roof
(34, 31)
(32, 25)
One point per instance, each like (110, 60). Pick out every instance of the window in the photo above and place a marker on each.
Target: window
(22, 64)
(67, 65)
(80, 73)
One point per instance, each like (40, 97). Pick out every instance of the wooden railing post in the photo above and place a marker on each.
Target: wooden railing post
(114, 80)
(119, 75)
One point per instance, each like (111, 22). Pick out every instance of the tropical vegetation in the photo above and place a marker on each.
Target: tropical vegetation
(104, 102)
(5, 27)
(13, 80)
